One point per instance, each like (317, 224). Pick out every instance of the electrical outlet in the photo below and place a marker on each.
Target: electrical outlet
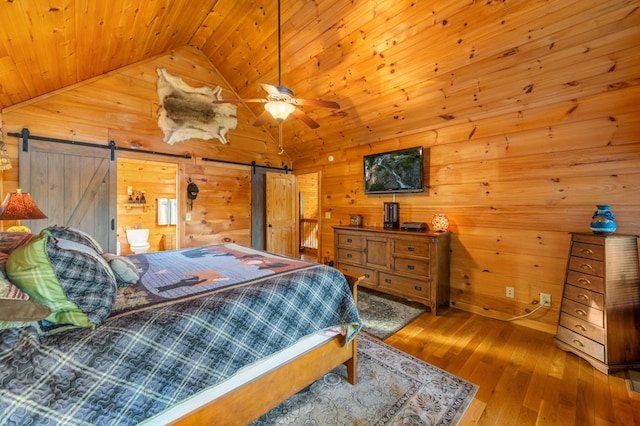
(545, 299)
(511, 293)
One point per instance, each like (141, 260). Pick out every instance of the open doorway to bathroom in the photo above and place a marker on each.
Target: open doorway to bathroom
(156, 182)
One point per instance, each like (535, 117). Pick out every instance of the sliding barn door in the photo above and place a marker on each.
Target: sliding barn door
(74, 186)
(281, 235)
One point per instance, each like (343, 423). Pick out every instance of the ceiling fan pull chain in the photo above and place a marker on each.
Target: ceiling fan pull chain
(280, 147)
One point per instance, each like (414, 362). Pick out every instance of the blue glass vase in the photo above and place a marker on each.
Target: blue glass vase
(603, 221)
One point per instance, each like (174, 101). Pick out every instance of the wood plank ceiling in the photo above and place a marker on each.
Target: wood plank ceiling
(395, 66)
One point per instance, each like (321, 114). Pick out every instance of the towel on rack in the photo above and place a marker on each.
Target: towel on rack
(173, 211)
(164, 211)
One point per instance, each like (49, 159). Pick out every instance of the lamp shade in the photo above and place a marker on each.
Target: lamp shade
(279, 110)
(18, 205)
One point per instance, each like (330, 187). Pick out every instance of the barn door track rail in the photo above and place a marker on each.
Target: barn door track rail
(24, 136)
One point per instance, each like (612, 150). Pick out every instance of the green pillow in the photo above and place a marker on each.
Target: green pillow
(16, 306)
(29, 268)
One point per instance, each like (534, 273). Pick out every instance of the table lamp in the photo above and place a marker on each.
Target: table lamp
(17, 206)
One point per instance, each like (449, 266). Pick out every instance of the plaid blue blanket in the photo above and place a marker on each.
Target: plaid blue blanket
(141, 362)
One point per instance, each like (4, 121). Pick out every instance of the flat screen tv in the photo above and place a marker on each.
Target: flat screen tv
(394, 171)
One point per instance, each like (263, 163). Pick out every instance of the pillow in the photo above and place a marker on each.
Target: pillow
(77, 287)
(66, 233)
(124, 269)
(21, 310)
(15, 305)
(10, 240)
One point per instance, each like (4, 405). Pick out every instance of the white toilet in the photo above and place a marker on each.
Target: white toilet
(138, 240)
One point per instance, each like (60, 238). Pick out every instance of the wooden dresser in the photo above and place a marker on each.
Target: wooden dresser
(409, 264)
(600, 312)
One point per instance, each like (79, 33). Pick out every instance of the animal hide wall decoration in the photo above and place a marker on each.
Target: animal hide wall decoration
(187, 112)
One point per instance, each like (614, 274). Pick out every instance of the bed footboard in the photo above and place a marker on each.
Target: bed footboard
(250, 401)
(247, 403)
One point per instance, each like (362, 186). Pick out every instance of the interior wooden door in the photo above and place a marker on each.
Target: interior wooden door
(74, 186)
(281, 217)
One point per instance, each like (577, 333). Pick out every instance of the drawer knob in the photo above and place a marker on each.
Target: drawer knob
(581, 327)
(387, 280)
(349, 255)
(367, 276)
(586, 266)
(411, 267)
(586, 251)
(349, 240)
(581, 312)
(417, 288)
(578, 343)
(584, 281)
(411, 248)
(583, 297)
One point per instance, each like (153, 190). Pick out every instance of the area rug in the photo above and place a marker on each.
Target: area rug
(393, 388)
(383, 314)
(633, 380)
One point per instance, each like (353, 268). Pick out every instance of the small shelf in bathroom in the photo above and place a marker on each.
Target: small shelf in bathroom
(138, 205)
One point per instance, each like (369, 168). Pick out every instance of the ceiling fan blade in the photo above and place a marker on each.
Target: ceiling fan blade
(262, 118)
(270, 89)
(298, 113)
(316, 102)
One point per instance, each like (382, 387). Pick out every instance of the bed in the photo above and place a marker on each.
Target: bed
(217, 334)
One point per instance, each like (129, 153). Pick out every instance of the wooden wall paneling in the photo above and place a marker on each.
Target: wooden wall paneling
(88, 113)
(41, 122)
(446, 81)
(86, 106)
(222, 211)
(344, 197)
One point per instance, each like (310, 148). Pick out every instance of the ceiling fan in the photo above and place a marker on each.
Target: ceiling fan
(280, 101)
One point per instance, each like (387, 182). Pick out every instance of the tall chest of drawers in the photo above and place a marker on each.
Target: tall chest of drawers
(600, 312)
(409, 264)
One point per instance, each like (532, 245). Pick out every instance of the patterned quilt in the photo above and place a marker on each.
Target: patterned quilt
(169, 338)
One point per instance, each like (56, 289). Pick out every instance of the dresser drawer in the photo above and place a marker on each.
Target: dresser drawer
(578, 310)
(583, 344)
(370, 276)
(350, 241)
(580, 326)
(405, 286)
(586, 281)
(402, 247)
(585, 297)
(588, 251)
(586, 266)
(349, 256)
(403, 265)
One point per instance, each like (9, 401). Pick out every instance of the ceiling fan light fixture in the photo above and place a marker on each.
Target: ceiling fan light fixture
(279, 110)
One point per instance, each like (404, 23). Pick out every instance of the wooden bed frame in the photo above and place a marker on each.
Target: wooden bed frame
(250, 401)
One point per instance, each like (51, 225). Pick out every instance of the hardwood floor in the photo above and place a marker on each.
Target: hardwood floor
(524, 379)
